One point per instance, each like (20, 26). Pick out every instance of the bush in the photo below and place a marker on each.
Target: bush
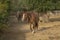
(3, 16)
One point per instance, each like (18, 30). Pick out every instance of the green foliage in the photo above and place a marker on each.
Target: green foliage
(58, 5)
(3, 14)
(39, 5)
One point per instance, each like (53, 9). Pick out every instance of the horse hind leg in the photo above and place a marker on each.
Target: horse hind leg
(35, 27)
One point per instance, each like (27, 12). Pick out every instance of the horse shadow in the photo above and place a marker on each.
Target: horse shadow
(46, 28)
(54, 19)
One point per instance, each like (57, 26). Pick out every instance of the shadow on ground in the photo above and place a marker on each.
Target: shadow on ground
(14, 33)
(54, 19)
(46, 28)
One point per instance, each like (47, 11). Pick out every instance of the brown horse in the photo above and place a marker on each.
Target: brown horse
(33, 19)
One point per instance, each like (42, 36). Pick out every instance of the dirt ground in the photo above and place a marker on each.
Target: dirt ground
(46, 31)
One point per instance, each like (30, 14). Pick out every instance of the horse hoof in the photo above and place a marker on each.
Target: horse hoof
(33, 32)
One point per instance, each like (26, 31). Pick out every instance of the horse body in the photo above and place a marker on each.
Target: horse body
(33, 19)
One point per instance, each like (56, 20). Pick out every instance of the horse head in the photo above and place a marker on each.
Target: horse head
(24, 16)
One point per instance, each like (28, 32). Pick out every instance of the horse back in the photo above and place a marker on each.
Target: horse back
(34, 18)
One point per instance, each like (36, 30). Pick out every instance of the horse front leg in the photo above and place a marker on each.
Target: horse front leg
(32, 28)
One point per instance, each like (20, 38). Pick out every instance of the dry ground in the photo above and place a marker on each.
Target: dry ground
(47, 31)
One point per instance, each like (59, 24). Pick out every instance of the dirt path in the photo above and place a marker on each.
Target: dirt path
(47, 31)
